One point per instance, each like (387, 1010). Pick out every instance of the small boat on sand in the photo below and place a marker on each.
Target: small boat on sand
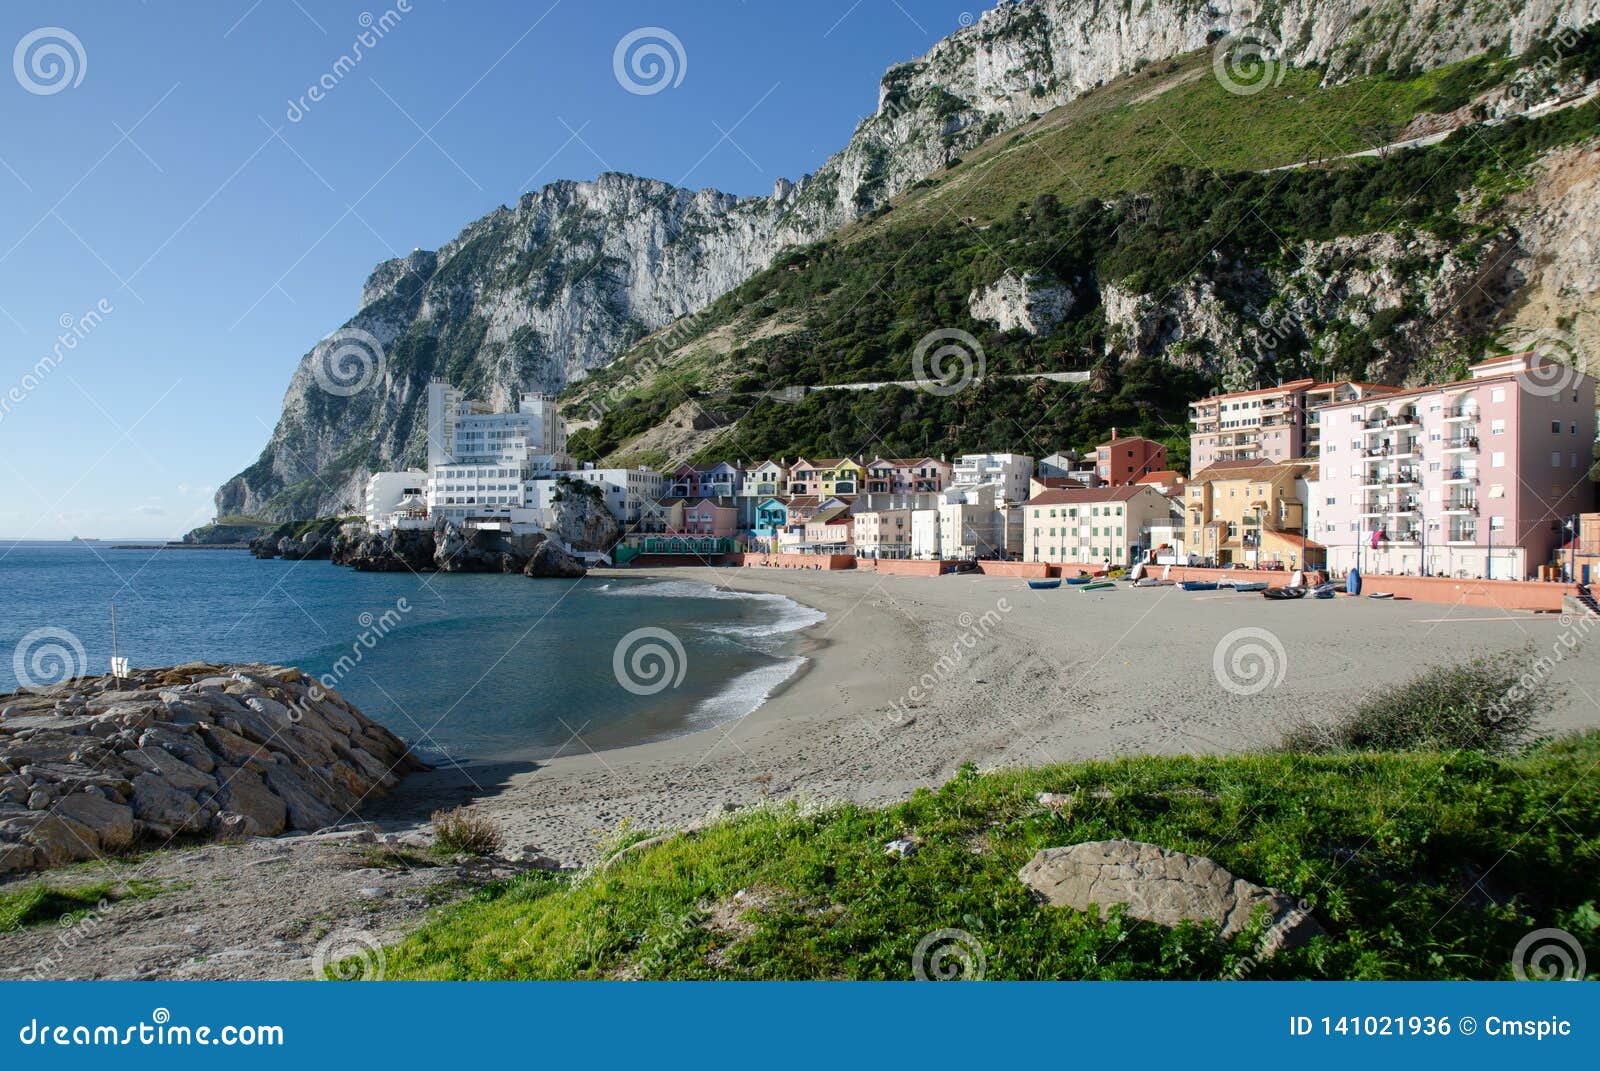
(1324, 591)
(1101, 585)
(1044, 585)
(1381, 595)
(1199, 585)
(1253, 585)
(1151, 582)
(1284, 594)
(1079, 579)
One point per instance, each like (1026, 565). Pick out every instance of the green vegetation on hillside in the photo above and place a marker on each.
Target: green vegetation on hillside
(1033, 417)
(863, 306)
(1418, 865)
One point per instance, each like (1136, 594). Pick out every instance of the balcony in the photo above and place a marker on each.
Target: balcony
(1457, 445)
(1461, 476)
(1462, 415)
(1464, 506)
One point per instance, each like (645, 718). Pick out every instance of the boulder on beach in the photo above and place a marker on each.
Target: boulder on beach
(102, 764)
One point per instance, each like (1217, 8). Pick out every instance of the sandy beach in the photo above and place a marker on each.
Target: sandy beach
(910, 677)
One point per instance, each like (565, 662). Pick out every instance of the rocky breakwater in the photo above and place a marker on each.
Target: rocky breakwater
(199, 751)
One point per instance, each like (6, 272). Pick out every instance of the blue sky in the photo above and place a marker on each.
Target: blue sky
(159, 192)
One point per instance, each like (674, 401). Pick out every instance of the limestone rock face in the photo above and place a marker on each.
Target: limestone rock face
(1165, 887)
(1026, 302)
(97, 765)
(583, 522)
(552, 562)
(564, 281)
(395, 551)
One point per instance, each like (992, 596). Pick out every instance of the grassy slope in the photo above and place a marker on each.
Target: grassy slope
(1116, 138)
(1386, 847)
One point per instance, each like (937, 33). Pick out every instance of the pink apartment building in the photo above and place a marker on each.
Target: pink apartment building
(1471, 479)
(1274, 424)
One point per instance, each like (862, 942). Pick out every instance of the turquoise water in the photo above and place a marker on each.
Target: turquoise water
(466, 667)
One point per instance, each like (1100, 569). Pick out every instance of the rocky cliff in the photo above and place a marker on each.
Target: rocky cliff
(537, 295)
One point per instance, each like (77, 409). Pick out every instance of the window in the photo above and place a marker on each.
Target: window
(1498, 394)
(1497, 460)
(1555, 427)
(1332, 500)
(1497, 427)
(1555, 459)
(1497, 524)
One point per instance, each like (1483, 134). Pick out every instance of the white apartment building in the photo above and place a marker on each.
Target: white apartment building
(479, 460)
(1095, 525)
(1010, 473)
(626, 491)
(391, 493)
(971, 523)
(925, 534)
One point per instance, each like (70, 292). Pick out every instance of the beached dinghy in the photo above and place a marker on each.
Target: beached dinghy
(1253, 585)
(1151, 582)
(1099, 585)
(1283, 594)
(1324, 591)
(1079, 579)
(1199, 585)
(1381, 595)
(1044, 585)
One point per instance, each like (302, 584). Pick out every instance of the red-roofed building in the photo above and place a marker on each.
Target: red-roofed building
(1092, 525)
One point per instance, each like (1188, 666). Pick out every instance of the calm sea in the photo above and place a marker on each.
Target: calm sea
(466, 667)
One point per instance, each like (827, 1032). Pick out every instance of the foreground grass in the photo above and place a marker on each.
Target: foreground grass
(1419, 866)
(38, 904)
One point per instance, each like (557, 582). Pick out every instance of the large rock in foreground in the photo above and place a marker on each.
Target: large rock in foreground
(99, 765)
(1166, 887)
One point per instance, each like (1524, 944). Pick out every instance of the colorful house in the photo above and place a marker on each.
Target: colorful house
(716, 481)
(765, 480)
(905, 476)
(771, 518)
(825, 477)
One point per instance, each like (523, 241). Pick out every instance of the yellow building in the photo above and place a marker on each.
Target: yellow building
(1250, 513)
